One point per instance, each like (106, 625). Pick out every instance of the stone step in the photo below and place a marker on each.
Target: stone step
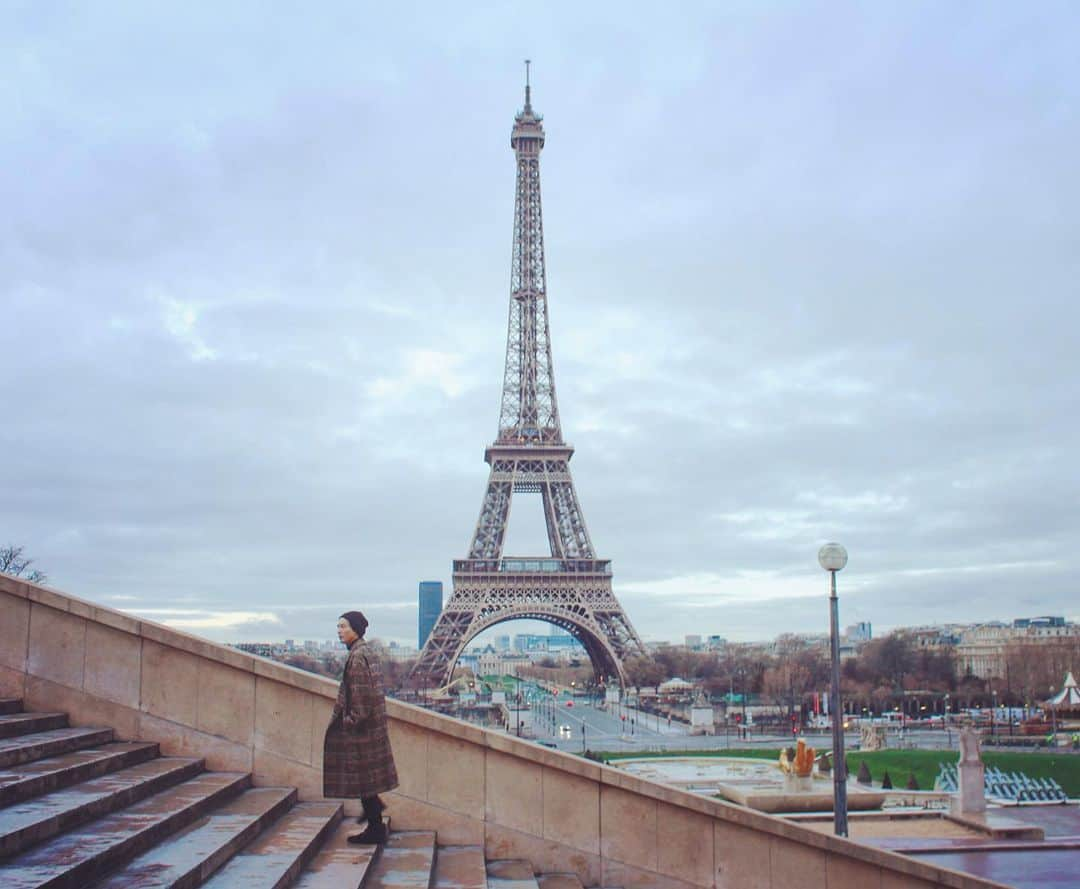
(36, 820)
(281, 851)
(406, 862)
(460, 867)
(27, 748)
(559, 881)
(14, 724)
(75, 859)
(339, 865)
(511, 873)
(10, 705)
(32, 779)
(190, 857)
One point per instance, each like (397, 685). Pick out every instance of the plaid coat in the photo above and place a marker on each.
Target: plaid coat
(357, 759)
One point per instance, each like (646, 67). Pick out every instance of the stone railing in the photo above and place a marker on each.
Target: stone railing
(473, 786)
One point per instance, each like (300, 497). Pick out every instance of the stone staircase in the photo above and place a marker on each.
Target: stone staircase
(81, 810)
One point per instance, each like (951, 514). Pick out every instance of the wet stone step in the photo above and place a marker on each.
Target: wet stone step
(338, 864)
(559, 881)
(191, 856)
(22, 782)
(27, 748)
(280, 852)
(33, 821)
(514, 873)
(10, 705)
(75, 859)
(406, 862)
(460, 867)
(15, 724)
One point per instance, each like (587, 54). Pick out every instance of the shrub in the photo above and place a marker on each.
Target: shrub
(864, 776)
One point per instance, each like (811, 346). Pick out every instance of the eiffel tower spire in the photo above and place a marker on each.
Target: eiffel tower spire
(530, 411)
(570, 587)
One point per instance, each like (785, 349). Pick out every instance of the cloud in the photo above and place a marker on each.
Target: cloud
(689, 590)
(180, 320)
(421, 368)
(811, 276)
(193, 619)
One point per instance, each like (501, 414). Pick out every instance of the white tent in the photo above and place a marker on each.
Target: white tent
(1068, 697)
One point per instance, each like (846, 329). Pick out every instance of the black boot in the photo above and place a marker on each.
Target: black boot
(372, 835)
(375, 832)
(375, 805)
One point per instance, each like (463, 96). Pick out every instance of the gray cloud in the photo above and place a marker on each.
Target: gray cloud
(812, 275)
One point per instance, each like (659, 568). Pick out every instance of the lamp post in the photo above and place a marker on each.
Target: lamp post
(993, 714)
(1008, 697)
(833, 557)
(517, 701)
(945, 723)
(740, 671)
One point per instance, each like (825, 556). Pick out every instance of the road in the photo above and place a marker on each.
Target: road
(581, 723)
(618, 728)
(601, 728)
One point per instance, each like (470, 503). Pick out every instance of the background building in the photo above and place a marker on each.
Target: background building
(860, 632)
(430, 609)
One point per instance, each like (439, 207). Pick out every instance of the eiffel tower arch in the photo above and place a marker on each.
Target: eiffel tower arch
(569, 587)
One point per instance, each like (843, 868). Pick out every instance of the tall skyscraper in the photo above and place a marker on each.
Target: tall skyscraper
(430, 608)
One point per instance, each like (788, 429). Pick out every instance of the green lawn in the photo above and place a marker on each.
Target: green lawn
(1062, 767)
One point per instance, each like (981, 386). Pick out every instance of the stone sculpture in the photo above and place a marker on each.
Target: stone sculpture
(797, 764)
(872, 737)
(970, 799)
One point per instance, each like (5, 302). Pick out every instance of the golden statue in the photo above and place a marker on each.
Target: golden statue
(798, 761)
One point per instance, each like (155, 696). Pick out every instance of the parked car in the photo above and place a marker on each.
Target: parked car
(564, 731)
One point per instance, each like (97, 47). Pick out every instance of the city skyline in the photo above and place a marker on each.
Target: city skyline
(860, 632)
(811, 277)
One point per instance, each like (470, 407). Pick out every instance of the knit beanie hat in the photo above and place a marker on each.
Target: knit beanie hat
(357, 621)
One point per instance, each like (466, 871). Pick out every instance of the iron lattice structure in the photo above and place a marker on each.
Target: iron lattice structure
(570, 587)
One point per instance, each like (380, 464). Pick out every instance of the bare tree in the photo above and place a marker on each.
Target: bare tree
(13, 562)
(1036, 668)
(644, 671)
(889, 659)
(796, 670)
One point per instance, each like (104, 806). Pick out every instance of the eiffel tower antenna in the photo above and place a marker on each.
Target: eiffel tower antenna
(571, 587)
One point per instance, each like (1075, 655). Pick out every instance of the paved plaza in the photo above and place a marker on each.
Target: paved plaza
(1028, 864)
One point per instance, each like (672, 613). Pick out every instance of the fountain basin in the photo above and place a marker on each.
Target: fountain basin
(755, 783)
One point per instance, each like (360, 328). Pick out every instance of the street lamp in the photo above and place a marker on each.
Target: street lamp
(740, 671)
(993, 714)
(945, 722)
(833, 557)
(517, 701)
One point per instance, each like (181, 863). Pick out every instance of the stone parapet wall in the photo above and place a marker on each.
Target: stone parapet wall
(472, 785)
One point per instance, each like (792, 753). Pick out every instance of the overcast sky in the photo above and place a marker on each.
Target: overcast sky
(813, 274)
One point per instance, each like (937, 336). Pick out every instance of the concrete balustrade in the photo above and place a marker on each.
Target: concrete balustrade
(473, 786)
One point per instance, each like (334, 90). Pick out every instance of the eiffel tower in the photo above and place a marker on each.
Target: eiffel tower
(571, 588)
